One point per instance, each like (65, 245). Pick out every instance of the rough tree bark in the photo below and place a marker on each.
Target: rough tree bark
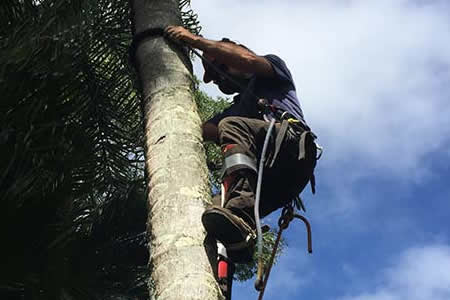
(177, 174)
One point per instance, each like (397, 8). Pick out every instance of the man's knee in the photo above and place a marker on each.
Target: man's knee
(229, 124)
(233, 130)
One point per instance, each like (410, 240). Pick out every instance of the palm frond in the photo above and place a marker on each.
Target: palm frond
(71, 134)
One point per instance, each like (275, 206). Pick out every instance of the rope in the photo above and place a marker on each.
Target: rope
(140, 37)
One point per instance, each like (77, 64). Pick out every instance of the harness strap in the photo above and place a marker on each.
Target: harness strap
(279, 140)
(302, 146)
(140, 37)
(299, 203)
(312, 181)
(306, 138)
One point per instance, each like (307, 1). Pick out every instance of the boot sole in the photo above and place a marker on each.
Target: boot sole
(222, 226)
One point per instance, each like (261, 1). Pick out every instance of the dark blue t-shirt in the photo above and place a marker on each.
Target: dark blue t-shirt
(279, 91)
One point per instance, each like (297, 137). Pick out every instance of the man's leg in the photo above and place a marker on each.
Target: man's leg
(242, 136)
(281, 183)
(239, 139)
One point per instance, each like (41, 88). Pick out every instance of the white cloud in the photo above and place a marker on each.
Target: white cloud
(373, 75)
(420, 273)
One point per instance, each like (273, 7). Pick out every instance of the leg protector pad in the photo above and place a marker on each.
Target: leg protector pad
(237, 161)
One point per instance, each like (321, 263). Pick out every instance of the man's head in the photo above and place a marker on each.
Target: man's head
(214, 74)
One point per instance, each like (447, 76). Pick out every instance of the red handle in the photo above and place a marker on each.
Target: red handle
(222, 271)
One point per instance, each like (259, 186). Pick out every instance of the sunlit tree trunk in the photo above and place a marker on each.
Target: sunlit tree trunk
(177, 174)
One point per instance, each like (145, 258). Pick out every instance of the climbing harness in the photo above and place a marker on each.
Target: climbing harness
(288, 211)
(306, 140)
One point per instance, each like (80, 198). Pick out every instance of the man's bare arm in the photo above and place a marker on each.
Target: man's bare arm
(230, 54)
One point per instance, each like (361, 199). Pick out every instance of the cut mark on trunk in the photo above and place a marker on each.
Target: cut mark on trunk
(160, 140)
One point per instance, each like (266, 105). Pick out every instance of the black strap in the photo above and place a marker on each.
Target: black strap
(299, 203)
(141, 36)
(160, 32)
(279, 140)
(302, 146)
(306, 138)
(312, 181)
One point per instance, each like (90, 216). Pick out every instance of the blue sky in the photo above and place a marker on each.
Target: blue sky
(374, 83)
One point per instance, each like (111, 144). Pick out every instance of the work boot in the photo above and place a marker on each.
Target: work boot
(232, 231)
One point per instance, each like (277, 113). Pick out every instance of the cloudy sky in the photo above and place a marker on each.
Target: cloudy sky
(374, 82)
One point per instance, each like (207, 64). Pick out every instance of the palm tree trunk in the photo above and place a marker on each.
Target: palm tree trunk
(177, 174)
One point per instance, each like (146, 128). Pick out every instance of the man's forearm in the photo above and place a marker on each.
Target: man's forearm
(227, 53)
(230, 54)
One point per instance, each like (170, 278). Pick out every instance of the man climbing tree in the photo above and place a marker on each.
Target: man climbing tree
(266, 91)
